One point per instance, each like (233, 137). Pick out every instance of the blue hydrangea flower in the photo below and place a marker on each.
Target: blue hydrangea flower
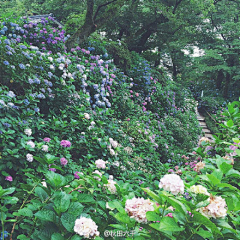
(22, 66)
(26, 102)
(41, 96)
(7, 41)
(30, 81)
(37, 81)
(11, 94)
(6, 62)
(23, 46)
(36, 109)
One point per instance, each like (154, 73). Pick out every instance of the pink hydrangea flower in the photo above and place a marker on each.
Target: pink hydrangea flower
(9, 178)
(65, 143)
(172, 183)
(47, 139)
(63, 161)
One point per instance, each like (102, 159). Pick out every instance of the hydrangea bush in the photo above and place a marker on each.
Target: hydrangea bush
(86, 148)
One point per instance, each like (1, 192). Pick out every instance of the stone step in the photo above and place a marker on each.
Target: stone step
(206, 130)
(209, 136)
(203, 124)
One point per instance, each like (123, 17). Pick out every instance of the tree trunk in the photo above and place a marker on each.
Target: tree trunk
(219, 79)
(80, 35)
(226, 87)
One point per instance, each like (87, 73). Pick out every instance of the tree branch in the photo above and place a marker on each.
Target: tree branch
(176, 5)
(99, 7)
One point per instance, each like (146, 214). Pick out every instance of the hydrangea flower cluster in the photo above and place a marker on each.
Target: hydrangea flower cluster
(86, 227)
(65, 143)
(137, 208)
(111, 185)
(216, 209)
(199, 189)
(172, 183)
(100, 164)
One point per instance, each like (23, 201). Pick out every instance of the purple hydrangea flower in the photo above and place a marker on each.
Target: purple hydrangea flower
(63, 161)
(65, 143)
(47, 139)
(9, 178)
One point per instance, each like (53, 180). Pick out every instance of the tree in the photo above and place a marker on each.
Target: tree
(97, 15)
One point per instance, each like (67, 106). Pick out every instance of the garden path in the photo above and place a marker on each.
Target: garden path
(201, 120)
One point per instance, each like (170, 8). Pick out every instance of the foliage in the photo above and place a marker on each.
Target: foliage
(79, 137)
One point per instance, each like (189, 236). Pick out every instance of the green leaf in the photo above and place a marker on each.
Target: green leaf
(204, 234)
(56, 180)
(41, 193)
(233, 173)
(23, 237)
(46, 215)
(230, 123)
(213, 179)
(26, 212)
(76, 237)
(62, 202)
(115, 204)
(7, 191)
(123, 217)
(152, 194)
(57, 236)
(237, 152)
(225, 167)
(175, 203)
(153, 216)
(218, 174)
(202, 204)
(167, 224)
(199, 218)
(83, 197)
(75, 208)
(223, 224)
(68, 221)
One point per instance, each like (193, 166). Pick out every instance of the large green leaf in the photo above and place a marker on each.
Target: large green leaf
(153, 216)
(57, 236)
(62, 202)
(199, 218)
(68, 221)
(167, 224)
(83, 197)
(41, 193)
(46, 215)
(152, 194)
(56, 180)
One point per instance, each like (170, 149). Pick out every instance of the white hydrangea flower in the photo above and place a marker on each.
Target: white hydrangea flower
(199, 189)
(113, 143)
(28, 131)
(29, 157)
(111, 185)
(45, 148)
(86, 227)
(112, 152)
(216, 209)
(86, 115)
(172, 183)
(100, 164)
(31, 144)
(137, 208)
(99, 173)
